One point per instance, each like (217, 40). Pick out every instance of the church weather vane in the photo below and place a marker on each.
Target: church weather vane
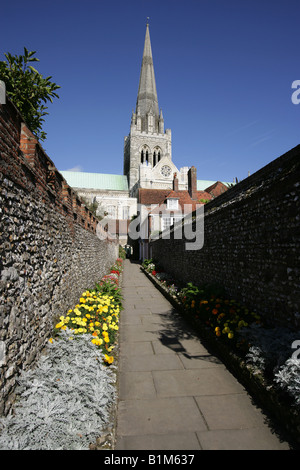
(148, 20)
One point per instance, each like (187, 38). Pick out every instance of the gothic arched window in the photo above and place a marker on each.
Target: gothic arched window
(154, 158)
(145, 154)
(156, 155)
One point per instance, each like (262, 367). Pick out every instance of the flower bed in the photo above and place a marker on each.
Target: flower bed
(97, 313)
(68, 401)
(259, 355)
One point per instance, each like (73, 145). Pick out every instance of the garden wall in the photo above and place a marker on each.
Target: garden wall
(251, 243)
(50, 249)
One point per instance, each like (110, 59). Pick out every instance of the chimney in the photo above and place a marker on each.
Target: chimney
(192, 182)
(175, 182)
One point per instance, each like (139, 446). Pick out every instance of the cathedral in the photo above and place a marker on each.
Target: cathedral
(148, 147)
(150, 176)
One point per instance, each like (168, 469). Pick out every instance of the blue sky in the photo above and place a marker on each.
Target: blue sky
(224, 72)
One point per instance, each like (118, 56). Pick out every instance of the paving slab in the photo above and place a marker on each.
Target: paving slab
(133, 349)
(223, 411)
(151, 362)
(135, 385)
(159, 416)
(260, 438)
(173, 393)
(170, 441)
(195, 382)
(199, 361)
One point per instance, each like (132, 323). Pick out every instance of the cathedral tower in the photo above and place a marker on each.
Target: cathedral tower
(148, 145)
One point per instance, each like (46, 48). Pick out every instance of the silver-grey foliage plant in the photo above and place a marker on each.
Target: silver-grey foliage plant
(288, 378)
(272, 349)
(64, 403)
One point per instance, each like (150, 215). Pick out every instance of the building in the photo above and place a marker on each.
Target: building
(150, 176)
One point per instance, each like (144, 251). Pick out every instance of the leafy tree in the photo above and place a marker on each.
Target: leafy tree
(27, 89)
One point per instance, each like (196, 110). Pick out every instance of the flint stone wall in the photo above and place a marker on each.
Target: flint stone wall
(251, 243)
(50, 250)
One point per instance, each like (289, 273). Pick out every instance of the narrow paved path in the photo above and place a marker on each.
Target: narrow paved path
(174, 395)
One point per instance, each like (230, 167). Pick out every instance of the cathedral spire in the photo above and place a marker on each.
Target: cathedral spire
(147, 94)
(147, 140)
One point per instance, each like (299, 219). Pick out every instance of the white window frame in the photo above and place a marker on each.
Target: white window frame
(172, 204)
(112, 211)
(166, 222)
(125, 212)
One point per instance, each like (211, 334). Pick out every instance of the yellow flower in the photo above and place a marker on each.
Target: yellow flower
(104, 327)
(97, 341)
(77, 311)
(51, 340)
(230, 335)
(109, 359)
(82, 300)
(59, 325)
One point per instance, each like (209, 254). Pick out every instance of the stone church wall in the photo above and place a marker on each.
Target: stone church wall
(133, 145)
(251, 243)
(50, 249)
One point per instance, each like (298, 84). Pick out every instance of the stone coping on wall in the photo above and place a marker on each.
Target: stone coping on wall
(283, 418)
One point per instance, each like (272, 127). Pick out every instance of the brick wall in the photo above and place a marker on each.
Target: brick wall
(251, 242)
(50, 252)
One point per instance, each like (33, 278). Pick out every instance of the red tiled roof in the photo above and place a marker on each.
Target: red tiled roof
(216, 189)
(152, 196)
(203, 195)
(159, 197)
